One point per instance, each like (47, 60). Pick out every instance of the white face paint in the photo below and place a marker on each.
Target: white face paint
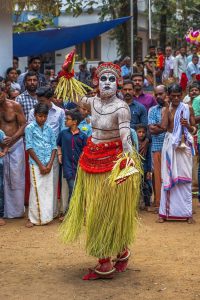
(107, 85)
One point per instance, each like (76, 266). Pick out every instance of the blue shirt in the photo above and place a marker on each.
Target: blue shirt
(125, 71)
(2, 137)
(72, 146)
(42, 140)
(155, 117)
(138, 114)
(146, 160)
(192, 69)
(56, 118)
(85, 127)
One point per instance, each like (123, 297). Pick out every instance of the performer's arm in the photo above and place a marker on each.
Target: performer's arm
(124, 118)
(87, 100)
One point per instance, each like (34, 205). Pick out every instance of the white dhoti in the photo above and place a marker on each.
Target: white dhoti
(14, 181)
(41, 196)
(176, 191)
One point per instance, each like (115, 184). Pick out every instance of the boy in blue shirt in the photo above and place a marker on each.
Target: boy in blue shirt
(71, 142)
(85, 125)
(41, 146)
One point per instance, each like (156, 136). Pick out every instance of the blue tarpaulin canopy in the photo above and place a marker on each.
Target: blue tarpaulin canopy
(39, 42)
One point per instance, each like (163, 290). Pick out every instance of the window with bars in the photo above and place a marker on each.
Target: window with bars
(91, 50)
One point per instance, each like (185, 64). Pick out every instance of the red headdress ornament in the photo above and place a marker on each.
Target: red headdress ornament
(69, 88)
(108, 67)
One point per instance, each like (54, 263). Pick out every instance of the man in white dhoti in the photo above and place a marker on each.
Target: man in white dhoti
(176, 191)
(12, 122)
(41, 146)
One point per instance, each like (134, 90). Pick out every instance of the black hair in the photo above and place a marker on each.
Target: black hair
(174, 88)
(137, 75)
(194, 84)
(30, 74)
(45, 91)
(41, 108)
(195, 56)
(152, 47)
(128, 81)
(75, 115)
(33, 58)
(116, 61)
(141, 126)
(9, 70)
(16, 58)
(100, 63)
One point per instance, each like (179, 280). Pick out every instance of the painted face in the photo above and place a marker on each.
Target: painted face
(107, 85)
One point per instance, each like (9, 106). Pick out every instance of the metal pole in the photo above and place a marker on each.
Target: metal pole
(150, 37)
(132, 37)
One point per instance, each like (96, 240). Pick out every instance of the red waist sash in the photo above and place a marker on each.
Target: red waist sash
(100, 158)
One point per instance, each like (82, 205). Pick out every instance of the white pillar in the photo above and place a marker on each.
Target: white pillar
(6, 38)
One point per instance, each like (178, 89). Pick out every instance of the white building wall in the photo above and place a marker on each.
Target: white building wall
(108, 46)
(6, 42)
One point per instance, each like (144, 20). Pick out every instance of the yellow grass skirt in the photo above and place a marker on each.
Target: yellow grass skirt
(109, 213)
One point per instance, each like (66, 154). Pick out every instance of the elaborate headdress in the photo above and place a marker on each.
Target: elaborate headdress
(109, 68)
(193, 37)
(68, 87)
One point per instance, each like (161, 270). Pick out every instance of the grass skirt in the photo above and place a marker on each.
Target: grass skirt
(109, 213)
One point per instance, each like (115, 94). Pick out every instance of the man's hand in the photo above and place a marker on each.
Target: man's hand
(149, 176)
(166, 102)
(2, 154)
(185, 123)
(42, 169)
(48, 168)
(144, 147)
(8, 140)
(60, 159)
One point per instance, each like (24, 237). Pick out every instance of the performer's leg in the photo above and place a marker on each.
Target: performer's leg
(103, 270)
(122, 261)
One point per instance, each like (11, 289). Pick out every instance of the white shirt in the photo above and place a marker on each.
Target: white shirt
(180, 65)
(169, 66)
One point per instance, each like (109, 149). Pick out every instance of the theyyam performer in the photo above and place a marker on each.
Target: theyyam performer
(106, 192)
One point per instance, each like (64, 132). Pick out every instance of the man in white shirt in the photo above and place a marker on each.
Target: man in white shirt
(180, 64)
(169, 64)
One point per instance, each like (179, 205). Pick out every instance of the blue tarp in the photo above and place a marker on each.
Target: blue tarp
(35, 43)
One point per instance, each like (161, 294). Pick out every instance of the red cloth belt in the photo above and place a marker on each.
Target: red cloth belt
(100, 158)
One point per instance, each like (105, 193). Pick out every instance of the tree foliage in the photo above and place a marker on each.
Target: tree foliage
(46, 7)
(173, 18)
(107, 9)
(33, 25)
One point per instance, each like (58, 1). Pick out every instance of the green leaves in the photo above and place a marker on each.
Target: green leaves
(33, 25)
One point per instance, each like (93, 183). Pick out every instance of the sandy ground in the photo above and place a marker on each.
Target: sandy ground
(164, 264)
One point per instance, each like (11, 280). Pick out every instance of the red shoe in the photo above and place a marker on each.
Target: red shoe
(103, 270)
(122, 261)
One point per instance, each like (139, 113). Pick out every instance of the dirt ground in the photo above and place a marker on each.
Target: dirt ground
(164, 264)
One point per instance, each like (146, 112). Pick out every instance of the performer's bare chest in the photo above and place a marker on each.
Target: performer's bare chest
(104, 116)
